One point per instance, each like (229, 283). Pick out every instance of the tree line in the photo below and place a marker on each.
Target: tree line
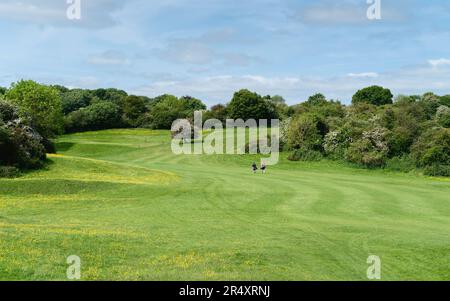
(375, 131)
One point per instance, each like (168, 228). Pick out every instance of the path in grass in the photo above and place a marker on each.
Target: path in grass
(131, 210)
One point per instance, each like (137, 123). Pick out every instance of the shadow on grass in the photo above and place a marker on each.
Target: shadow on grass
(64, 146)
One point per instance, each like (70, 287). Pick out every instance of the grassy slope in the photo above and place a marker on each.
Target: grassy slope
(131, 210)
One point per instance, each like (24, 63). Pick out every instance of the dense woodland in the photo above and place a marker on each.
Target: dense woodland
(408, 133)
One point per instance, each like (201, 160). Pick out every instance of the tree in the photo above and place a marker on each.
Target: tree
(165, 109)
(432, 151)
(277, 99)
(430, 102)
(98, 116)
(41, 103)
(306, 132)
(218, 112)
(443, 116)
(375, 95)
(249, 105)
(316, 99)
(192, 104)
(445, 100)
(134, 110)
(75, 99)
(3, 91)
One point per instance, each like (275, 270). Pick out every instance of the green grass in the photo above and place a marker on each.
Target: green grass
(131, 210)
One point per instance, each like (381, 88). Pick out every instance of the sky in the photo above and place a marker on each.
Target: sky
(211, 48)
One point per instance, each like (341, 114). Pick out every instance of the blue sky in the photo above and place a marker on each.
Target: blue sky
(211, 48)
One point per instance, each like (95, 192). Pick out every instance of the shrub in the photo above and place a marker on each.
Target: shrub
(369, 151)
(21, 146)
(433, 147)
(443, 116)
(336, 143)
(305, 132)
(305, 155)
(436, 170)
(402, 164)
(9, 172)
(98, 116)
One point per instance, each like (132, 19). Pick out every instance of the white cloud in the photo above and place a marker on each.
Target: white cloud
(439, 62)
(364, 74)
(215, 89)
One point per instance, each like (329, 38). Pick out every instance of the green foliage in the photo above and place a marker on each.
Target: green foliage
(21, 146)
(115, 96)
(41, 103)
(430, 102)
(445, 100)
(316, 100)
(375, 95)
(101, 115)
(432, 149)
(249, 105)
(370, 150)
(306, 132)
(443, 116)
(9, 172)
(168, 108)
(436, 170)
(218, 112)
(401, 164)
(3, 91)
(73, 100)
(305, 155)
(134, 110)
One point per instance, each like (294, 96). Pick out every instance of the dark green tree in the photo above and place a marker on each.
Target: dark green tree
(375, 95)
(249, 105)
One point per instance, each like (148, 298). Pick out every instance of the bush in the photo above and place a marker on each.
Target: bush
(436, 170)
(371, 150)
(443, 116)
(9, 172)
(99, 116)
(401, 164)
(305, 155)
(21, 146)
(433, 147)
(306, 132)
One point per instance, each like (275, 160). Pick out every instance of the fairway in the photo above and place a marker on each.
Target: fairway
(131, 210)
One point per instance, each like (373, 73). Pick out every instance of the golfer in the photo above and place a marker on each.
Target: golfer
(254, 167)
(263, 168)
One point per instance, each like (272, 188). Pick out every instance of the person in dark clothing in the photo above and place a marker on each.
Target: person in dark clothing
(254, 167)
(263, 168)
